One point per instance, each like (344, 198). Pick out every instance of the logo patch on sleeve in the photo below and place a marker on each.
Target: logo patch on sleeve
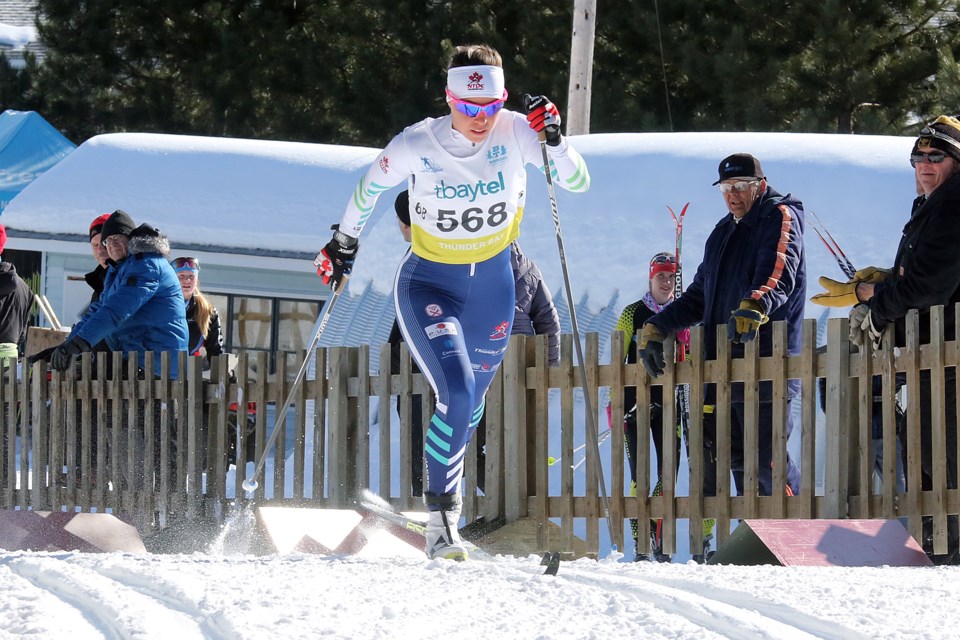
(441, 329)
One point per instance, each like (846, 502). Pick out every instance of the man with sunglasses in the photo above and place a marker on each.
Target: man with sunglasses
(753, 272)
(455, 292)
(925, 273)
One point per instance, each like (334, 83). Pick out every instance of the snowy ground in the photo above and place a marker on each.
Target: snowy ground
(76, 595)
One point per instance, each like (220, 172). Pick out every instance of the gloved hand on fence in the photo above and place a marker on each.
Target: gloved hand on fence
(844, 294)
(40, 356)
(542, 115)
(863, 328)
(335, 261)
(62, 356)
(651, 350)
(745, 321)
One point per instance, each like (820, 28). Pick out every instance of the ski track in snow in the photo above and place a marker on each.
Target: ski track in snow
(111, 609)
(173, 597)
(725, 613)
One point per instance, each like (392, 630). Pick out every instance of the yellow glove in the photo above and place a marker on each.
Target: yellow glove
(837, 294)
(872, 275)
(745, 321)
(844, 294)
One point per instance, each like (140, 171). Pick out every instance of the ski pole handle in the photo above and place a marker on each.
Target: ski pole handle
(533, 102)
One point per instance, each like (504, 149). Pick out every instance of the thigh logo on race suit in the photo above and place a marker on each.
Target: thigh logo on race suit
(441, 329)
(433, 310)
(501, 331)
(450, 349)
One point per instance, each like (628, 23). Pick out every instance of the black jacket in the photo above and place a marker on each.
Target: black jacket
(95, 279)
(926, 271)
(212, 342)
(16, 299)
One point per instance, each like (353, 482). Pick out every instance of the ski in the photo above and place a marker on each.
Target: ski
(682, 396)
(379, 507)
(842, 260)
(603, 437)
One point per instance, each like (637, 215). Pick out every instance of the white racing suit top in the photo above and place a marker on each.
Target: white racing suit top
(466, 200)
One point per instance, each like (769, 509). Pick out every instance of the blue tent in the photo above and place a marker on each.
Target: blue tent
(28, 147)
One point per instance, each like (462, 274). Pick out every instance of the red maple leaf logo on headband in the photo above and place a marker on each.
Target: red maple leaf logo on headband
(476, 76)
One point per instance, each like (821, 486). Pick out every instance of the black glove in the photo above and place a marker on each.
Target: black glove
(62, 356)
(40, 355)
(651, 350)
(335, 261)
(542, 115)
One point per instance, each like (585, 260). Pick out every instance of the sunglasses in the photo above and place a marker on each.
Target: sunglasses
(663, 259)
(934, 157)
(114, 239)
(473, 110)
(186, 264)
(739, 186)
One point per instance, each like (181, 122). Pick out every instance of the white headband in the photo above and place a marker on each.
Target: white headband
(477, 81)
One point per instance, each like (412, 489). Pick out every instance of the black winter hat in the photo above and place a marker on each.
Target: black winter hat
(119, 223)
(739, 165)
(402, 206)
(145, 231)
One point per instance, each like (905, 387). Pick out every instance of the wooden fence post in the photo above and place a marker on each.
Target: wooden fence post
(511, 446)
(694, 437)
(808, 419)
(343, 416)
(722, 415)
(541, 448)
(838, 367)
(195, 448)
(617, 471)
(938, 435)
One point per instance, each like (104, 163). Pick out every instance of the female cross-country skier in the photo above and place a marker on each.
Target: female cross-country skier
(454, 290)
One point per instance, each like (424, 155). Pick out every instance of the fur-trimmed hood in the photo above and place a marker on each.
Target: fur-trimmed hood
(147, 239)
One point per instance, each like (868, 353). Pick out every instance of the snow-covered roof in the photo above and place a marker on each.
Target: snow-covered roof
(248, 195)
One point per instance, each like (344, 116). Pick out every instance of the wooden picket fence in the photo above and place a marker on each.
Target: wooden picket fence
(156, 449)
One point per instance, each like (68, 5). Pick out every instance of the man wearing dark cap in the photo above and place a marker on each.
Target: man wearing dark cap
(753, 271)
(141, 308)
(925, 273)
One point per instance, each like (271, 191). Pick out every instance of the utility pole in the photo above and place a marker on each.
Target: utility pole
(581, 67)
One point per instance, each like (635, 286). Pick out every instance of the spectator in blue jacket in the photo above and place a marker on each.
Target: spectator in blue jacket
(753, 270)
(141, 308)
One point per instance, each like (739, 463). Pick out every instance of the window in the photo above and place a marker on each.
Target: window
(272, 325)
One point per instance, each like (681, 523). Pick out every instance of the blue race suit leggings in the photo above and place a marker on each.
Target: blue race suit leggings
(456, 319)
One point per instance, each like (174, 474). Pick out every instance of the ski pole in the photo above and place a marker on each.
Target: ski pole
(842, 261)
(587, 400)
(250, 484)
